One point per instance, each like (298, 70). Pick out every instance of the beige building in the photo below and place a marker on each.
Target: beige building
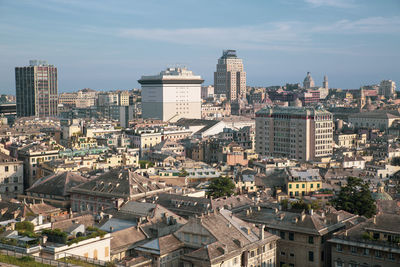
(68, 99)
(86, 98)
(171, 95)
(387, 88)
(370, 243)
(302, 236)
(377, 119)
(230, 78)
(302, 133)
(221, 239)
(11, 176)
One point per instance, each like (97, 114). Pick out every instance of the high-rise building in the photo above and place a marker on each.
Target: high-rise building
(387, 88)
(171, 95)
(308, 82)
(230, 78)
(302, 133)
(36, 89)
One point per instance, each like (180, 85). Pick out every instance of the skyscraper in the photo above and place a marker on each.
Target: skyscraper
(36, 89)
(230, 78)
(171, 95)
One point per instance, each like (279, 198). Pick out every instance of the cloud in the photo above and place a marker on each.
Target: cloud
(271, 36)
(292, 36)
(332, 3)
(375, 25)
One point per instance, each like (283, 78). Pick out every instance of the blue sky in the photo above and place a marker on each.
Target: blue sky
(108, 45)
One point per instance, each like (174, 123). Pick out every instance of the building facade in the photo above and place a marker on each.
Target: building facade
(36, 89)
(230, 78)
(11, 176)
(387, 88)
(302, 133)
(171, 95)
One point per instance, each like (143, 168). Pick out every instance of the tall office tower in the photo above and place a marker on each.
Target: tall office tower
(36, 89)
(171, 95)
(230, 78)
(308, 82)
(302, 133)
(387, 88)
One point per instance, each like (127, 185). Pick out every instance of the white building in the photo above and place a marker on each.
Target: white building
(387, 88)
(171, 95)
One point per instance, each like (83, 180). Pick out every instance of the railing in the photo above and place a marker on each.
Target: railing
(62, 262)
(369, 242)
(36, 258)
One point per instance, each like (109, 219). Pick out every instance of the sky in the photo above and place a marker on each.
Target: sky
(108, 45)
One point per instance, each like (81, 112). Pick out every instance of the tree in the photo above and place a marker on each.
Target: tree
(356, 198)
(396, 161)
(220, 187)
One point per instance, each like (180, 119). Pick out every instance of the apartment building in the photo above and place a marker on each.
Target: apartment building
(374, 242)
(11, 176)
(302, 133)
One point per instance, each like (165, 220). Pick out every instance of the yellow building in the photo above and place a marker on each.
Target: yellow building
(302, 182)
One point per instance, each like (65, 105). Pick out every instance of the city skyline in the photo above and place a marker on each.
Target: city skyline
(108, 47)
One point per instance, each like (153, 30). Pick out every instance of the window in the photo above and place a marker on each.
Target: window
(291, 236)
(283, 253)
(252, 254)
(391, 256)
(186, 237)
(366, 251)
(338, 247)
(310, 240)
(290, 186)
(6, 168)
(378, 254)
(310, 256)
(297, 185)
(291, 254)
(353, 249)
(15, 168)
(312, 186)
(282, 234)
(303, 186)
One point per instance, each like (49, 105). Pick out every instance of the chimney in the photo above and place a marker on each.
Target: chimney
(262, 232)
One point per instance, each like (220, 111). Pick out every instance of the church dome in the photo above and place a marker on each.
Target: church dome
(381, 194)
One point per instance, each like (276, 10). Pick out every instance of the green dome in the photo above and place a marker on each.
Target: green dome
(381, 196)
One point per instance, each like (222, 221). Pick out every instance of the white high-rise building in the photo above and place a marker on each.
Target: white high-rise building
(302, 133)
(173, 94)
(387, 88)
(230, 78)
